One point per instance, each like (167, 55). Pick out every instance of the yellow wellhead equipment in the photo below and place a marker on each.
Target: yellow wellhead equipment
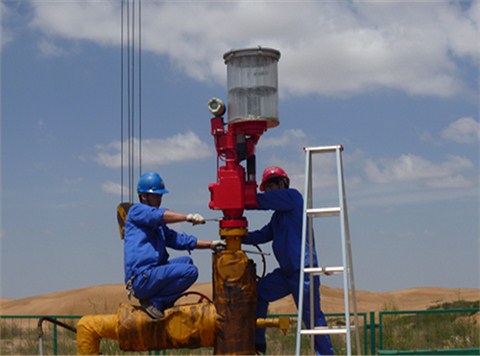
(234, 296)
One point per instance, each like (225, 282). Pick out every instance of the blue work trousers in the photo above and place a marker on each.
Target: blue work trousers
(276, 285)
(163, 284)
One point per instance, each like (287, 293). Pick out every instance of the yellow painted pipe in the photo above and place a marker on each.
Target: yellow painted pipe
(185, 326)
(282, 322)
(91, 329)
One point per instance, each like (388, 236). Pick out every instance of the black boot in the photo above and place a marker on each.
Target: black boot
(260, 349)
(151, 309)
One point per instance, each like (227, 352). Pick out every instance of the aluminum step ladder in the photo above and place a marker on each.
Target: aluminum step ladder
(346, 268)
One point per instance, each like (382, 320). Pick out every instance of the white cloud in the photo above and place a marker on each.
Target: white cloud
(463, 130)
(113, 188)
(412, 168)
(287, 138)
(50, 49)
(97, 21)
(453, 181)
(110, 155)
(73, 181)
(405, 194)
(426, 136)
(180, 147)
(338, 48)
(6, 35)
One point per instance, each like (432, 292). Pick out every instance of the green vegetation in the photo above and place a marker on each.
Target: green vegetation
(441, 327)
(459, 304)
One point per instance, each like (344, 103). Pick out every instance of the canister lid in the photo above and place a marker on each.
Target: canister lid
(252, 52)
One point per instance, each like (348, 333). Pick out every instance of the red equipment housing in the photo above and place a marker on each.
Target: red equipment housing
(236, 187)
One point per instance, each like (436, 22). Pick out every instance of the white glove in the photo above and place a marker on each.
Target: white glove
(216, 244)
(195, 219)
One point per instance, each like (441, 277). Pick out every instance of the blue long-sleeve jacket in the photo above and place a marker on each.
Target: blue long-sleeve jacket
(146, 239)
(284, 228)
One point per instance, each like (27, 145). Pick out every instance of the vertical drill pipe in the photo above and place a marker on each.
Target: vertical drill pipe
(235, 298)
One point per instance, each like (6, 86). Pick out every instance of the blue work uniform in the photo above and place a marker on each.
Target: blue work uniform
(285, 232)
(148, 270)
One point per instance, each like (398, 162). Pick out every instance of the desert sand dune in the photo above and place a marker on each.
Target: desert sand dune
(105, 299)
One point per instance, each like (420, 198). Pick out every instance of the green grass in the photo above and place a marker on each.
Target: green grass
(433, 331)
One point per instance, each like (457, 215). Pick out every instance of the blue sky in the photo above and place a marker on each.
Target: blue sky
(396, 83)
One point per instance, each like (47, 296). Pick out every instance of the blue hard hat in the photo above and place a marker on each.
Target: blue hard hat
(152, 183)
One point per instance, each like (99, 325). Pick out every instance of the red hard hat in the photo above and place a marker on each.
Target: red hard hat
(272, 172)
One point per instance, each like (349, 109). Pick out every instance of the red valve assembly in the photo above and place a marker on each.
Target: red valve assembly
(236, 186)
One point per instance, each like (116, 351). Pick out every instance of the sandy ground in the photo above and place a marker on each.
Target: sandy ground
(105, 299)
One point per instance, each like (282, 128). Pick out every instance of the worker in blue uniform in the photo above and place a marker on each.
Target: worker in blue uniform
(150, 275)
(285, 232)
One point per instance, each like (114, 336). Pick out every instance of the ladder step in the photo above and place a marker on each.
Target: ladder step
(325, 330)
(324, 149)
(316, 212)
(324, 270)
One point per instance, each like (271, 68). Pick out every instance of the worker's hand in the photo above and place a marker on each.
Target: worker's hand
(195, 219)
(217, 244)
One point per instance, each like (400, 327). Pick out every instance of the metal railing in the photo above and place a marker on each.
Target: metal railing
(56, 323)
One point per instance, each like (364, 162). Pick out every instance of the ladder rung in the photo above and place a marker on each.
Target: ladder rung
(324, 270)
(324, 149)
(333, 211)
(325, 330)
